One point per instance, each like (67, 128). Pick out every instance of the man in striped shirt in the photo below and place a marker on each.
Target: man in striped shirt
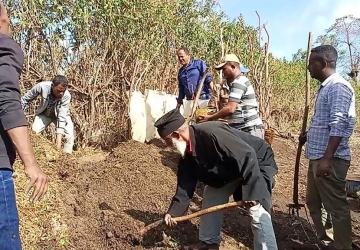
(241, 111)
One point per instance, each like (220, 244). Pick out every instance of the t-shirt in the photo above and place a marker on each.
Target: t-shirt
(246, 113)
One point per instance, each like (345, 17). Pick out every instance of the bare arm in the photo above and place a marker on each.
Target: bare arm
(12, 116)
(21, 140)
(225, 111)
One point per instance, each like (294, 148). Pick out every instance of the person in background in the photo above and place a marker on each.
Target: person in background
(189, 78)
(54, 107)
(14, 138)
(241, 110)
(328, 150)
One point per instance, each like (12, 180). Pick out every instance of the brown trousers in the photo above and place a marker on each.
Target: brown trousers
(327, 196)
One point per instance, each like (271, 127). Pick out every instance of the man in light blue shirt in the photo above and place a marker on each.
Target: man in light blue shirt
(328, 149)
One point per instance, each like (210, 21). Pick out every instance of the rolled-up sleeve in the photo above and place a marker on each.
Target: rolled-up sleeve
(63, 112)
(339, 100)
(11, 59)
(30, 96)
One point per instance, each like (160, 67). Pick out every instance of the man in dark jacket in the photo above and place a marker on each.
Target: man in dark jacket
(221, 158)
(14, 137)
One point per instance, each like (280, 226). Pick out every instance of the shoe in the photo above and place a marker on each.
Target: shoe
(204, 246)
(305, 247)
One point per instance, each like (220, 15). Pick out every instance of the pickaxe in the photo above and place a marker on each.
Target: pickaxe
(193, 215)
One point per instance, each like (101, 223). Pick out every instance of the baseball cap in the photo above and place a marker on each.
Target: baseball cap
(232, 58)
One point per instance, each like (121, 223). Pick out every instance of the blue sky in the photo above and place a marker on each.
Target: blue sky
(290, 21)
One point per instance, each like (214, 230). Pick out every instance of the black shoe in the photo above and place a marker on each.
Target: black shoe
(203, 246)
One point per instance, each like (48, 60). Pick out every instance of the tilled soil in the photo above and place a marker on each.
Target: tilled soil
(108, 198)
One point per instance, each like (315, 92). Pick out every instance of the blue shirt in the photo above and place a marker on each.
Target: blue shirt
(334, 115)
(189, 78)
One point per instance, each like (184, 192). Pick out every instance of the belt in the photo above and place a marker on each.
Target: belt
(191, 99)
(254, 126)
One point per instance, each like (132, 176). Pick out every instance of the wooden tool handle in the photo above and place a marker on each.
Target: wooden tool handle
(193, 215)
(197, 95)
(303, 128)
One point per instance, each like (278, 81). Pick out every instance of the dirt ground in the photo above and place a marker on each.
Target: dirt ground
(101, 200)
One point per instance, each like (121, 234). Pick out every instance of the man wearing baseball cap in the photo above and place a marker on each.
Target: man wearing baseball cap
(241, 111)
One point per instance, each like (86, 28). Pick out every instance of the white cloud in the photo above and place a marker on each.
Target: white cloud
(350, 7)
(289, 25)
(326, 17)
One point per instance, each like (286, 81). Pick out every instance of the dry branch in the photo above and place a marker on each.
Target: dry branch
(260, 67)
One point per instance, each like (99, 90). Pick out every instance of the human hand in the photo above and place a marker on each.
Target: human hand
(38, 181)
(169, 220)
(4, 20)
(204, 118)
(303, 138)
(324, 168)
(249, 204)
(217, 87)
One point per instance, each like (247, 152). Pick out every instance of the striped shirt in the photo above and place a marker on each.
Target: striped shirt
(334, 116)
(246, 113)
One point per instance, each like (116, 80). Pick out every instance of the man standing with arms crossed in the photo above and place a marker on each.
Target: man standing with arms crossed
(328, 149)
(14, 137)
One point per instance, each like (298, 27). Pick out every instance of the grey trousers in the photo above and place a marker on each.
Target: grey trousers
(259, 132)
(210, 224)
(253, 130)
(42, 121)
(327, 196)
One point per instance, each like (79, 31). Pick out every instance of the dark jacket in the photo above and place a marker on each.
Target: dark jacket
(11, 113)
(221, 154)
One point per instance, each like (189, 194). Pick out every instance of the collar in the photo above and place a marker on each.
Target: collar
(190, 62)
(189, 147)
(329, 79)
(192, 144)
(236, 77)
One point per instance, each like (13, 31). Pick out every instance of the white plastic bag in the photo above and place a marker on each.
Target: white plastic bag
(170, 103)
(138, 117)
(154, 109)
